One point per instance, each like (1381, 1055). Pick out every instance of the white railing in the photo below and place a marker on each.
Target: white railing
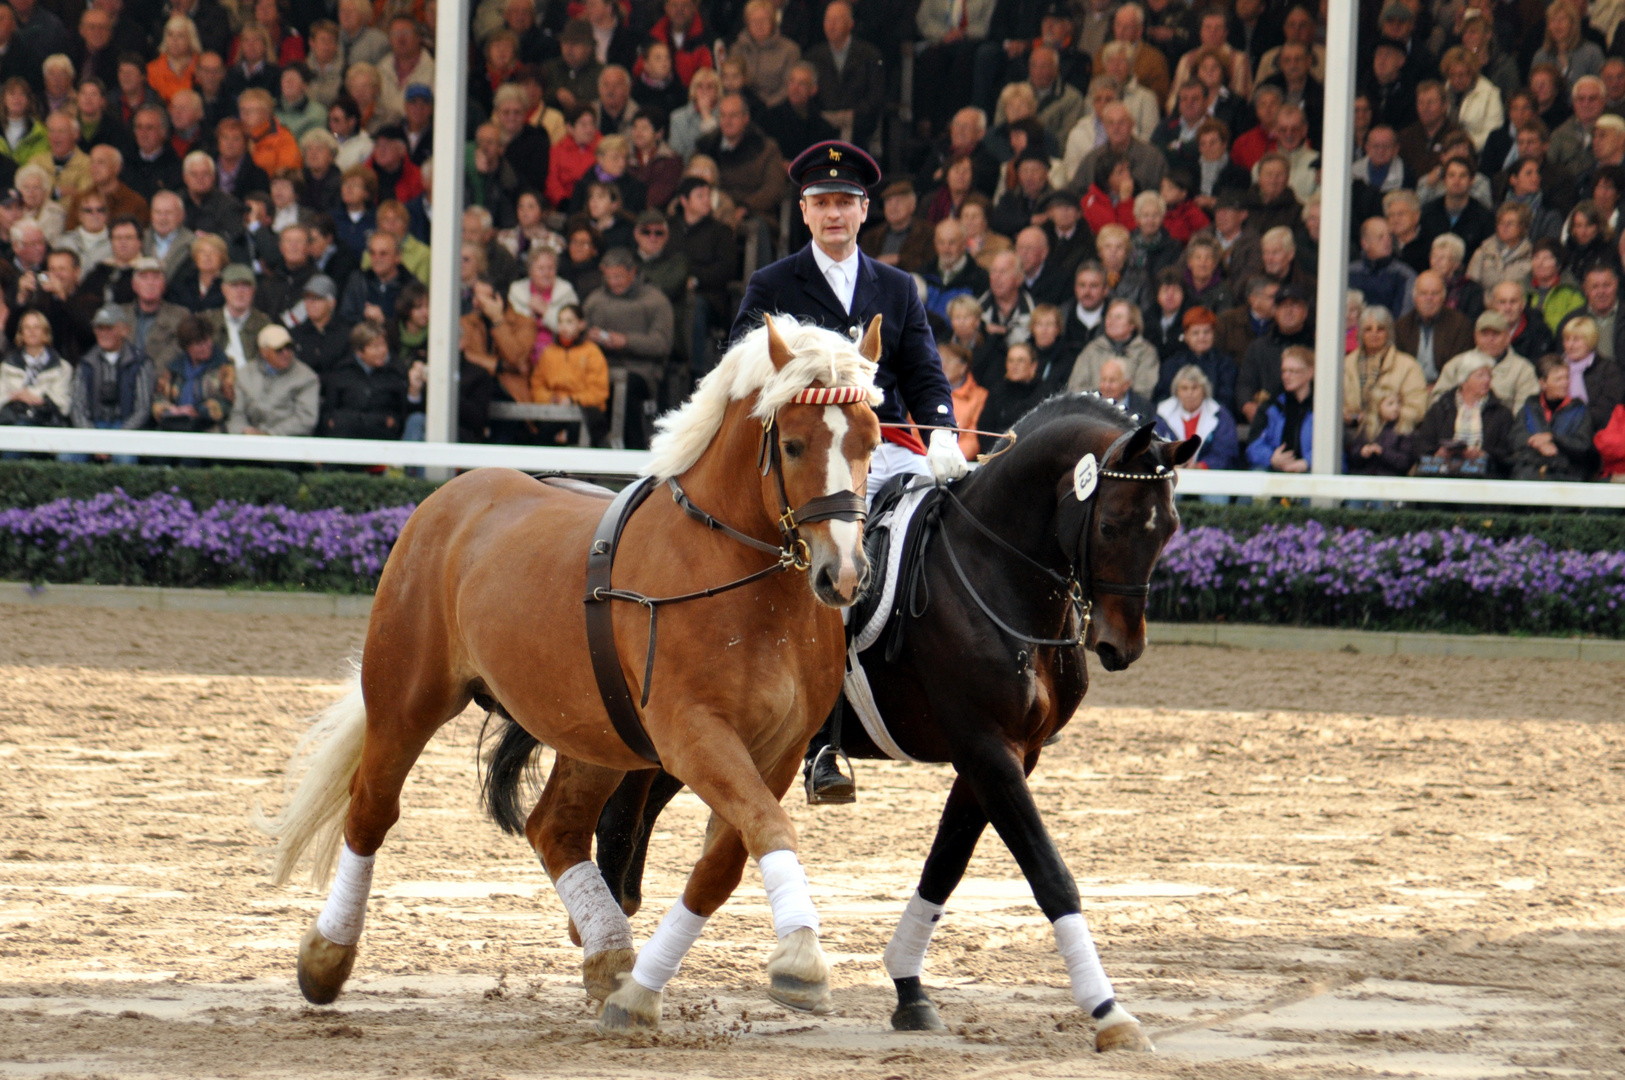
(584, 461)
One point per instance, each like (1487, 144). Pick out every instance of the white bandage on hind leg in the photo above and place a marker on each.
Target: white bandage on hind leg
(905, 955)
(346, 907)
(787, 891)
(598, 918)
(663, 954)
(1090, 987)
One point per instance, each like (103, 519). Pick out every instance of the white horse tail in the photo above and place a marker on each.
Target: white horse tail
(328, 755)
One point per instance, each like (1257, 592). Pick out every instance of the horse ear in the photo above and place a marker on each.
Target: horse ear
(870, 346)
(1137, 444)
(1186, 450)
(777, 350)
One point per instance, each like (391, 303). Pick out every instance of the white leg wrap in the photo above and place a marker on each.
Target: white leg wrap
(1090, 987)
(663, 954)
(598, 918)
(346, 907)
(905, 955)
(787, 891)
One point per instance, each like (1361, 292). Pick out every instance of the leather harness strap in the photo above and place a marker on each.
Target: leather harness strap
(606, 658)
(791, 554)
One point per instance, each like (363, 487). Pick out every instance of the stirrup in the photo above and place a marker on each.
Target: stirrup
(817, 798)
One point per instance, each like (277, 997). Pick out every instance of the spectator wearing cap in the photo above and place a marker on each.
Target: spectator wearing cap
(1069, 240)
(198, 385)
(572, 76)
(709, 248)
(409, 62)
(1019, 207)
(1512, 377)
(418, 123)
(1217, 367)
(901, 239)
(113, 382)
(632, 322)
(1191, 408)
(321, 339)
(296, 111)
(750, 168)
(398, 178)
(661, 266)
(851, 76)
(153, 320)
(236, 324)
(276, 394)
(954, 272)
(1432, 331)
(365, 397)
(796, 123)
(1258, 375)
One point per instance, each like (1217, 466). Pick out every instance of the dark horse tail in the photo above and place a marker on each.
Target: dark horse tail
(507, 765)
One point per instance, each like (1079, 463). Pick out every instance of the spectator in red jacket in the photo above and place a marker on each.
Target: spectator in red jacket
(572, 155)
(689, 53)
(1183, 218)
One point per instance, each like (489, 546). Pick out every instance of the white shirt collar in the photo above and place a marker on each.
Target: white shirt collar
(842, 276)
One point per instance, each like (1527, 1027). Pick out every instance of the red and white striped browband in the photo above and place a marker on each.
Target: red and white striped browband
(830, 395)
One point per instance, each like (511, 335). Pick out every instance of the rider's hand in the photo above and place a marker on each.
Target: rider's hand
(946, 459)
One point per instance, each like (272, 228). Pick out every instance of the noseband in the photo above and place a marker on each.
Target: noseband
(792, 553)
(1073, 521)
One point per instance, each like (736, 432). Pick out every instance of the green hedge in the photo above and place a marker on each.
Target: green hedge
(33, 483)
(1574, 530)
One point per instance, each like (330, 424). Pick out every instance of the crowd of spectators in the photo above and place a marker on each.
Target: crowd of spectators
(215, 216)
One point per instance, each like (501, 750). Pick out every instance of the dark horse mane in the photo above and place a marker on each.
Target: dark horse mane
(1062, 407)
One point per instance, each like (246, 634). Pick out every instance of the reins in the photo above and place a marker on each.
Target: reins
(792, 552)
(1072, 527)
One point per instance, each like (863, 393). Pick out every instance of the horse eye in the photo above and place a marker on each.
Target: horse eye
(794, 448)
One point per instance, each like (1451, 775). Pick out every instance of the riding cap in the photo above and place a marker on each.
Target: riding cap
(834, 166)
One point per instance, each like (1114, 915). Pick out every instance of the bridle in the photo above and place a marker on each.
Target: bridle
(1073, 520)
(792, 551)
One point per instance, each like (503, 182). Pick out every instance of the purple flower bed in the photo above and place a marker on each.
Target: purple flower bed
(164, 540)
(1309, 575)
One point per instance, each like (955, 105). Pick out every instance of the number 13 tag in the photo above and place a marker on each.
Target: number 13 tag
(1085, 475)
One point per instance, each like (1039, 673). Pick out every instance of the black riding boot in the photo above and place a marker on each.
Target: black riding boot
(825, 781)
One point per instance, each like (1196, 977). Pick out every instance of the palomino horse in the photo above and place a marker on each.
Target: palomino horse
(1051, 540)
(483, 600)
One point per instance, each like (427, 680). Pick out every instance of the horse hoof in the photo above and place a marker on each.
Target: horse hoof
(798, 974)
(629, 1008)
(1127, 1035)
(917, 1016)
(323, 967)
(601, 972)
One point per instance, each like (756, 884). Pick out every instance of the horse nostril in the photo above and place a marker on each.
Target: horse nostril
(826, 584)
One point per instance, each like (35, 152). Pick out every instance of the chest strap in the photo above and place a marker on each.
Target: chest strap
(606, 658)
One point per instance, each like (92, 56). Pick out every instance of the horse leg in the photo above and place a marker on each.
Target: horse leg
(714, 878)
(623, 832)
(998, 777)
(397, 724)
(957, 834)
(560, 830)
(720, 771)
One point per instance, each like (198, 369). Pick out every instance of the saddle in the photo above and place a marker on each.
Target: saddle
(902, 518)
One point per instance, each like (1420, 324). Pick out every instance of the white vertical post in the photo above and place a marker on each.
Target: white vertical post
(446, 224)
(1336, 159)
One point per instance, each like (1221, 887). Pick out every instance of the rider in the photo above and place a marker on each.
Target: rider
(832, 283)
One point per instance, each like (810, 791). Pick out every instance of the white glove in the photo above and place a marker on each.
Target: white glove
(946, 459)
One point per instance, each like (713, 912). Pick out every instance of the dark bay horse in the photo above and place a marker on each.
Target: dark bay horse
(482, 600)
(1034, 556)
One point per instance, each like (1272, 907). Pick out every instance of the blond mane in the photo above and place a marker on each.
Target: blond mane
(820, 357)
